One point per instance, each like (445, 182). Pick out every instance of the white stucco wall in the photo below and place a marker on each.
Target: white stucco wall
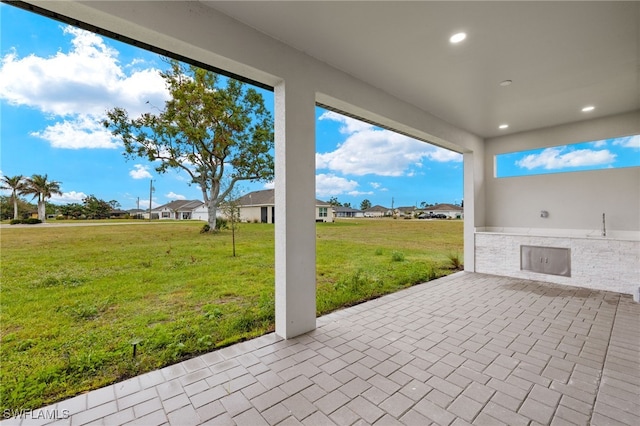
(253, 214)
(200, 213)
(574, 200)
(328, 218)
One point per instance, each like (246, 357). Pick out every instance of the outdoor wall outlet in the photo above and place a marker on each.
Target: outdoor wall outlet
(544, 213)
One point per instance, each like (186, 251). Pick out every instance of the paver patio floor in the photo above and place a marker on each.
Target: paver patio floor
(464, 349)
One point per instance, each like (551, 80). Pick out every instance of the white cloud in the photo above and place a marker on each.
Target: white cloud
(369, 150)
(358, 193)
(349, 125)
(442, 155)
(559, 158)
(328, 185)
(376, 185)
(174, 196)
(68, 197)
(628, 142)
(80, 86)
(269, 185)
(140, 172)
(80, 132)
(86, 80)
(144, 204)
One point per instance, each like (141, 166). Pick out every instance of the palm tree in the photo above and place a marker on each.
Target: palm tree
(17, 185)
(42, 189)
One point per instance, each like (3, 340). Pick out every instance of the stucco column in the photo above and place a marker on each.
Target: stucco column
(473, 203)
(295, 229)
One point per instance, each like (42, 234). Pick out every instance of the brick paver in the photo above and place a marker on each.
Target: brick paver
(466, 349)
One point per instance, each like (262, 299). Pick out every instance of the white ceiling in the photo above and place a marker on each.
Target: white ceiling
(561, 56)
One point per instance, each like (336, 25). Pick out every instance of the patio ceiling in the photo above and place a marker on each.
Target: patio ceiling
(561, 56)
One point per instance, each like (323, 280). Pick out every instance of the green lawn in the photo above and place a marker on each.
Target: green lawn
(75, 299)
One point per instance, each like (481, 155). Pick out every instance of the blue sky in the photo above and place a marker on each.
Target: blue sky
(594, 155)
(56, 82)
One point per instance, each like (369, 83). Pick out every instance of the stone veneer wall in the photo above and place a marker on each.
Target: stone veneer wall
(596, 263)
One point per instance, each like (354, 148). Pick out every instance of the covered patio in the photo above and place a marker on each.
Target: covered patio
(471, 348)
(520, 80)
(465, 349)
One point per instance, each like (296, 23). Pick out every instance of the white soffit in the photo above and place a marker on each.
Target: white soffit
(560, 56)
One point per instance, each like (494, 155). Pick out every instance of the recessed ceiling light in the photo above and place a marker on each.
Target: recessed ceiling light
(588, 108)
(506, 83)
(503, 126)
(457, 38)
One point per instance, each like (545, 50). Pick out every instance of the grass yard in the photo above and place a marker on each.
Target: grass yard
(75, 300)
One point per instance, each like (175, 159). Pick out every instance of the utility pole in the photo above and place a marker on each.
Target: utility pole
(150, 197)
(393, 212)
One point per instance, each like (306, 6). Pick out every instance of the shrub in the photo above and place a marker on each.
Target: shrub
(397, 256)
(454, 261)
(221, 223)
(30, 221)
(205, 229)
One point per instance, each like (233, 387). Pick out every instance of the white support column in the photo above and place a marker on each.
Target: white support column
(295, 227)
(473, 203)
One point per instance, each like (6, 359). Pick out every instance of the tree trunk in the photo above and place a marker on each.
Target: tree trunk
(212, 209)
(42, 213)
(15, 207)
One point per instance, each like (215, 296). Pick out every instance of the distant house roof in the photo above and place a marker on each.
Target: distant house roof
(406, 208)
(265, 197)
(180, 205)
(444, 207)
(378, 208)
(343, 209)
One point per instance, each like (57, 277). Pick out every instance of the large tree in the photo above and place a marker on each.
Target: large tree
(334, 202)
(74, 210)
(365, 204)
(16, 185)
(42, 189)
(219, 134)
(96, 208)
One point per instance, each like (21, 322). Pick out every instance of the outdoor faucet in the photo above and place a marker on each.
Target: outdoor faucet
(604, 227)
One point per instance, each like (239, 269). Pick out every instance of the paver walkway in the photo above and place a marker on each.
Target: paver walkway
(465, 349)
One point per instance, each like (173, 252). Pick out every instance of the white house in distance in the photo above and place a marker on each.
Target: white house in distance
(181, 210)
(449, 210)
(518, 81)
(378, 211)
(342, 211)
(259, 206)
